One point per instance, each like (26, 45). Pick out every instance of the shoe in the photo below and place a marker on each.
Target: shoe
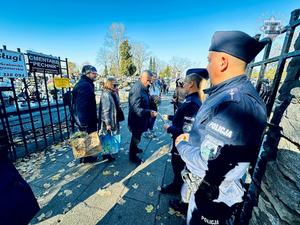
(88, 159)
(108, 157)
(139, 150)
(179, 206)
(135, 160)
(170, 189)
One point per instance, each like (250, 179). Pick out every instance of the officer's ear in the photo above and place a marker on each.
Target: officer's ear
(223, 62)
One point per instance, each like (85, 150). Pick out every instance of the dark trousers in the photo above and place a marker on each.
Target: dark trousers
(211, 213)
(135, 140)
(178, 165)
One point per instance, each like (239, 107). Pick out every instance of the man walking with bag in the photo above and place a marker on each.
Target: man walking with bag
(84, 104)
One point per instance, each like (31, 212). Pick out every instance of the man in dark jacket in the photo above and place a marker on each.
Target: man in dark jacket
(18, 204)
(139, 113)
(84, 104)
(181, 120)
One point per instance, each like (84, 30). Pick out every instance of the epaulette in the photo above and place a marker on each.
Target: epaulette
(231, 95)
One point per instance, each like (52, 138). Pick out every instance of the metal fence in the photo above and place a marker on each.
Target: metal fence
(270, 91)
(34, 113)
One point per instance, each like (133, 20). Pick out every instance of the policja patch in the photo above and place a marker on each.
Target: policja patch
(210, 148)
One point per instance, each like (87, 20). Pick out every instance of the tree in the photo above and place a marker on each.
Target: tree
(179, 65)
(153, 66)
(109, 54)
(73, 69)
(105, 72)
(127, 67)
(167, 72)
(150, 64)
(140, 55)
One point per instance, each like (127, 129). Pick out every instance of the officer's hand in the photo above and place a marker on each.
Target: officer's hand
(183, 137)
(166, 126)
(153, 113)
(108, 127)
(206, 193)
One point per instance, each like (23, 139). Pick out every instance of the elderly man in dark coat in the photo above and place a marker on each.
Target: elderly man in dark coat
(139, 113)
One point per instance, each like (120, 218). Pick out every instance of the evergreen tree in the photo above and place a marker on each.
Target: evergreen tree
(154, 65)
(150, 64)
(105, 72)
(127, 67)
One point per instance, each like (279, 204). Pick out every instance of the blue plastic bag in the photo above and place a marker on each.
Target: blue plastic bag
(110, 143)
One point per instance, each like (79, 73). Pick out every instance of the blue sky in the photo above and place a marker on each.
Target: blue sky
(76, 29)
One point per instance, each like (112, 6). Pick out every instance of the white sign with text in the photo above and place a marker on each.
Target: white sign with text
(12, 64)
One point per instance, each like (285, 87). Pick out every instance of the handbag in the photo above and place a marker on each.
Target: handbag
(110, 143)
(84, 144)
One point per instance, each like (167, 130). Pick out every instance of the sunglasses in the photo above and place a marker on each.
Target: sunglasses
(115, 85)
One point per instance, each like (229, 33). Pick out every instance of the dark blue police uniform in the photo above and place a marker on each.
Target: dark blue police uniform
(225, 137)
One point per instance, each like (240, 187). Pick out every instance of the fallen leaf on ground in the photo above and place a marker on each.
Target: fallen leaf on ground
(148, 173)
(116, 173)
(67, 176)
(111, 166)
(41, 217)
(68, 192)
(62, 170)
(48, 214)
(106, 173)
(169, 160)
(151, 194)
(78, 186)
(159, 188)
(121, 201)
(135, 186)
(47, 185)
(158, 217)
(103, 192)
(71, 164)
(176, 213)
(55, 177)
(149, 208)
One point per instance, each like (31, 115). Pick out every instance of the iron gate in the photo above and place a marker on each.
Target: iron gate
(271, 94)
(34, 113)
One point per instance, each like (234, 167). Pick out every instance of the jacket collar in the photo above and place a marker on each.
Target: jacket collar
(227, 84)
(84, 77)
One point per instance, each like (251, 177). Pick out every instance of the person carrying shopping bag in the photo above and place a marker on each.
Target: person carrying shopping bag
(110, 114)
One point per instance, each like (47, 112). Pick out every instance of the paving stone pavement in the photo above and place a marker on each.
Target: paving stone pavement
(104, 192)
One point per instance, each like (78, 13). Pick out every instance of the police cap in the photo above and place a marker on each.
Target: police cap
(237, 44)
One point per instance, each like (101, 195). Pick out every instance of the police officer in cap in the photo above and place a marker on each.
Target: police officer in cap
(226, 134)
(183, 116)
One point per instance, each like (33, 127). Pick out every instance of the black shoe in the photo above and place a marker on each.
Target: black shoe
(170, 189)
(108, 157)
(179, 206)
(139, 150)
(135, 160)
(88, 159)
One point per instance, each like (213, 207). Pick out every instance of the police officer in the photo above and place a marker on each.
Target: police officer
(185, 112)
(227, 130)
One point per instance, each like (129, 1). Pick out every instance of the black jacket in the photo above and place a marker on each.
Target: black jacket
(189, 108)
(84, 104)
(18, 204)
(139, 108)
